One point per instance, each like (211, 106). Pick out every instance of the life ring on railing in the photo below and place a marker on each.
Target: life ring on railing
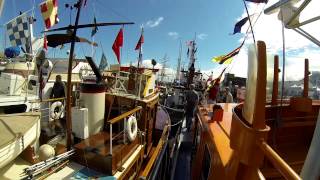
(57, 114)
(132, 128)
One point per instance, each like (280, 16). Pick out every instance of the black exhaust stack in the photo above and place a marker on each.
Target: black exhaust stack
(95, 69)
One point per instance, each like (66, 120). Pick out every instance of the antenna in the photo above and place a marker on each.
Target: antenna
(179, 63)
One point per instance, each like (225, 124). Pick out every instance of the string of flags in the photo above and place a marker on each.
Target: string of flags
(18, 30)
(227, 59)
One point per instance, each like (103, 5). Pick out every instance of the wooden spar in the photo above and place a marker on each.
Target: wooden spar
(90, 25)
(73, 38)
(275, 81)
(306, 78)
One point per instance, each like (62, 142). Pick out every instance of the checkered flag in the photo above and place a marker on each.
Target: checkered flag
(18, 31)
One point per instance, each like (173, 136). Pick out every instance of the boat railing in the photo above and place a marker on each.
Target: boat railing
(50, 101)
(277, 161)
(157, 156)
(122, 117)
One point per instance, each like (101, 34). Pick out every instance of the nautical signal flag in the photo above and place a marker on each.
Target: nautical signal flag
(49, 11)
(18, 31)
(258, 1)
(94, 28)
(140, 42)
(103, 62)
(117, 44)
(239, 24)
(219, 59)
(226, 59)
(45, 42)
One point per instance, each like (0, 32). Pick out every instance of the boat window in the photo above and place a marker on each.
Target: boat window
(14, 109)
(206, 164)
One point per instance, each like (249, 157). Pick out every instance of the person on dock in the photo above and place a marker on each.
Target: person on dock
(58, 88)
(192, 100)
(228, 95)
(213, 91)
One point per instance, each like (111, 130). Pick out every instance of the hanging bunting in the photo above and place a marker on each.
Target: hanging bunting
(219, 59)
(118, 42)
(226, 59)
(239, 24)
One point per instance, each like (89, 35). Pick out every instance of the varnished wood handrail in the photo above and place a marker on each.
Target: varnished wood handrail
(48, 100)
(306, 78)
(120, 117)
(147, 170)
(277, 161)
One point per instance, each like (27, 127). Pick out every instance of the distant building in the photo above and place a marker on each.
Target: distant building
(232, 80)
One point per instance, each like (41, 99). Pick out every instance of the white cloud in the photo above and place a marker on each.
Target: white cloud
(202, 36)
(154, 23)
(268, 29)
(174, 35)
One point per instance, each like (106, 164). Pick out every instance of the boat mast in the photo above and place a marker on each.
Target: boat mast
(69, 87)
(179, 63)
(192, 51)
(140, 50)
(164, 61)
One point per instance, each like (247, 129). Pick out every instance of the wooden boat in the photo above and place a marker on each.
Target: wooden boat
(248, 141)
(17, 132)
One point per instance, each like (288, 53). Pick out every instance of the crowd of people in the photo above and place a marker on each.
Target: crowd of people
(215, 94)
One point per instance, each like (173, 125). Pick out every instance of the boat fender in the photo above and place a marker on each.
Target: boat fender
(60, 113)
(132, 128)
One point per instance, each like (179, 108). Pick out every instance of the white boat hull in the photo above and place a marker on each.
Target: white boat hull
(11, 150)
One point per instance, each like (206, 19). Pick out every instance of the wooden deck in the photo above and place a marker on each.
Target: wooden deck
(94, 152)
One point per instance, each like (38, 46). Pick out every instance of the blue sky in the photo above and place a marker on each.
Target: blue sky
(166, 22)
(212, 20)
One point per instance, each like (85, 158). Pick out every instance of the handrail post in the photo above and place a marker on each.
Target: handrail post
(110, 138)
(306, 78)
(275, 81)
(124, 133)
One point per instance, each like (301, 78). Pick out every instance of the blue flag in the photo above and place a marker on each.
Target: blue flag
(237, 27)
(94, 28)
(103, 62)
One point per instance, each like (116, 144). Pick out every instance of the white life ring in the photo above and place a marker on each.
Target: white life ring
(60, 113)
(132, 128)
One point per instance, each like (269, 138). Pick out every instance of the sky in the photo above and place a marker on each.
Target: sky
(168, 22)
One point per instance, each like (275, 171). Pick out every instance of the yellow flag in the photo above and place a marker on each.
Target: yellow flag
(49, 11)
(218, 59)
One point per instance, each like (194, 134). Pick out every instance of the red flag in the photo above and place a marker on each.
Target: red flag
(118, 42)
(45, 42)
(140, 42)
